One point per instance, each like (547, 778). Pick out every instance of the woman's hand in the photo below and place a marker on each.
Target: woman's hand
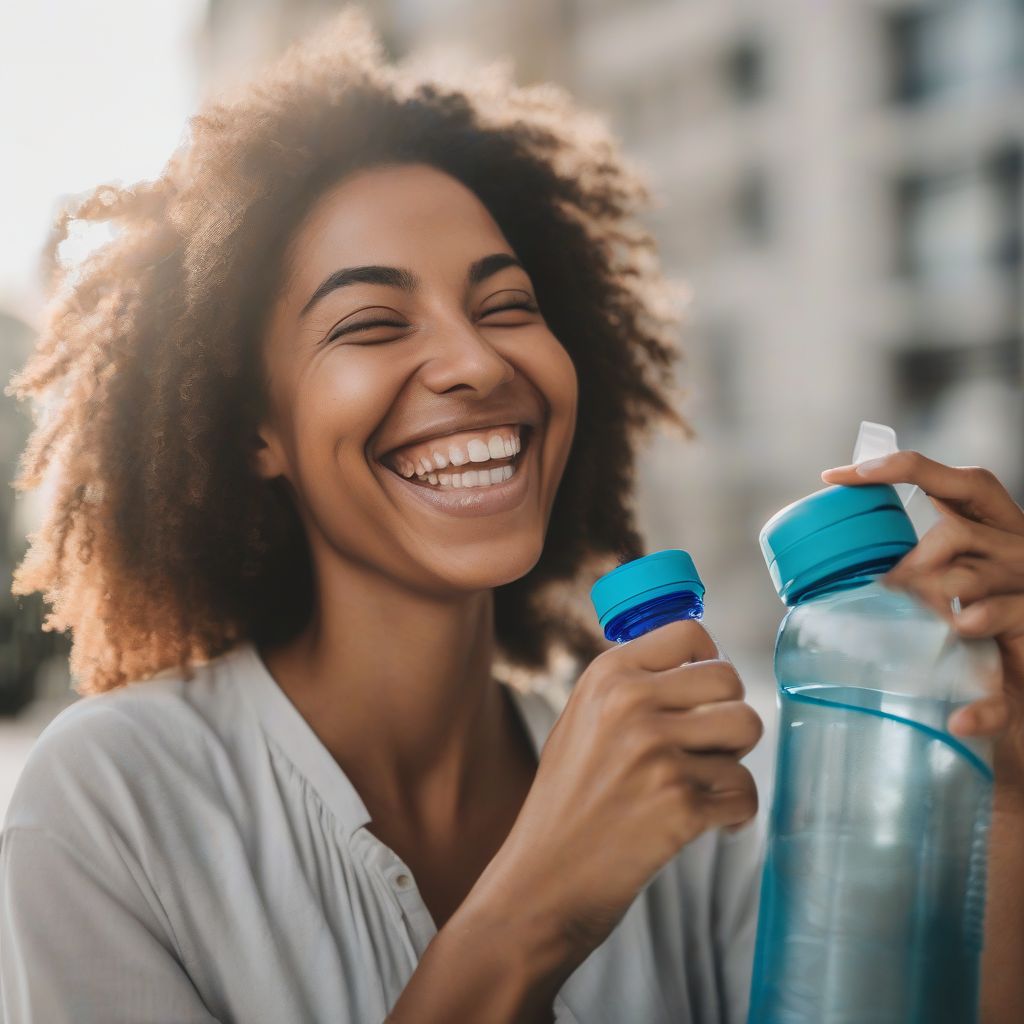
(974, 553)
(644, 758)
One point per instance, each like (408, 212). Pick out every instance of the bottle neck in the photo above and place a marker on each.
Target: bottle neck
(849, 578)
(648, 615)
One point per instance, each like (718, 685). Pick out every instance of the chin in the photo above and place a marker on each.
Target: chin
(491, 565)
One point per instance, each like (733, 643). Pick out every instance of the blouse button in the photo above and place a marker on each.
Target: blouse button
(403, 881)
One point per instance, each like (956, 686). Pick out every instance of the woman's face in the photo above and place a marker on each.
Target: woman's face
(422, 424)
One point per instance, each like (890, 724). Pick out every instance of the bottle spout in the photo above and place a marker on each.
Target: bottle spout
(875, 440)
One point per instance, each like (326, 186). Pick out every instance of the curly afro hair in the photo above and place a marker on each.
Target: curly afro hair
(161, 547)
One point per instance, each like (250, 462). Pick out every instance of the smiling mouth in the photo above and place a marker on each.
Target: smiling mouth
(474, 474)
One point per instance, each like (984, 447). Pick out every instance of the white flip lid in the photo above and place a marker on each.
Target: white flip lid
(874, 440)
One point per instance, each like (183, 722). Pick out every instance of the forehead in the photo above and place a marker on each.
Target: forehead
(394, 215)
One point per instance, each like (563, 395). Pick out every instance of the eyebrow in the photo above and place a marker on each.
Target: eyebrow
(399, 277)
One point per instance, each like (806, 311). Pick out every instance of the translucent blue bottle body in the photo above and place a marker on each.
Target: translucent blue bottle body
(648, 615)
(873, 891)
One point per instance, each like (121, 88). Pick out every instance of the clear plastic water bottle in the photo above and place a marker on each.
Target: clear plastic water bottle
(873, 890)
(646, 593)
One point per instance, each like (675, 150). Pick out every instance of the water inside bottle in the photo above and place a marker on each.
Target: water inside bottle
(873, 892)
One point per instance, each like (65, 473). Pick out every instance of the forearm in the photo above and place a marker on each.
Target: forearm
(1002, 965)
(488, 963)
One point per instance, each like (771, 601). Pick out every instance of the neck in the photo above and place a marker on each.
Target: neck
(398, 687)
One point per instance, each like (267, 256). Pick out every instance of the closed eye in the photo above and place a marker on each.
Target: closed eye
(365, 327)
(528, 307)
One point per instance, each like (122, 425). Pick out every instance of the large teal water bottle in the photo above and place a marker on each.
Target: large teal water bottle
(874, 881)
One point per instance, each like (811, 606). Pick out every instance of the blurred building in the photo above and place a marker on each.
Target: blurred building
(841, 187)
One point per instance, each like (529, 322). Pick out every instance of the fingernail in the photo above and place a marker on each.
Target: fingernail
(863, 468)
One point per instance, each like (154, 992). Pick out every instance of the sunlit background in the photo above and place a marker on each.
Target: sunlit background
(840, 185)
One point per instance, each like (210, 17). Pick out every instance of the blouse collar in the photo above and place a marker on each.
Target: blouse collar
(283, 722)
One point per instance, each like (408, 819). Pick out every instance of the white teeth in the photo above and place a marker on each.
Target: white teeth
(497, 446)
(478, 451)
(471, 478)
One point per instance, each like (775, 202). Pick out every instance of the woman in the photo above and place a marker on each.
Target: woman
(350, 402)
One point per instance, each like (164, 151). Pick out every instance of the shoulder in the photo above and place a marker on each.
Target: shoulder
(111, 753)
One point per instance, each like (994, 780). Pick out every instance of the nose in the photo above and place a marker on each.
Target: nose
(461, 357)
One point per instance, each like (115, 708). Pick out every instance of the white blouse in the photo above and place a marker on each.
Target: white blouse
(189, 851)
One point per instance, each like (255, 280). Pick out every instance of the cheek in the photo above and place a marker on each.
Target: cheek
(339, 404)
(568, 381)
(553, 372)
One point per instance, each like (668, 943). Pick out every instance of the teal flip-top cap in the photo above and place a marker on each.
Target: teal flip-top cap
(663, 572)
(832, 531)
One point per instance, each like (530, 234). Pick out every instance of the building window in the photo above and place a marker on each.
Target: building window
(924, 372)
(1007, 171)
(954, 46)
(744, 69)
(961, 223)
(723, 342)
(752, 207)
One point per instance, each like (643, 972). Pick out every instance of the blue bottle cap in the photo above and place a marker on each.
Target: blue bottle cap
(834, 530)
(663, 572)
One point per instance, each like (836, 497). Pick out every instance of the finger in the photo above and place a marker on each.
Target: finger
(726, 793)
(732, 727)
(951, 537)
(974, 491)
(700, 682)
(715, 773)
(986, 717)
(669, 646)
(966, 579)
(1001, 617)
(730, 810)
